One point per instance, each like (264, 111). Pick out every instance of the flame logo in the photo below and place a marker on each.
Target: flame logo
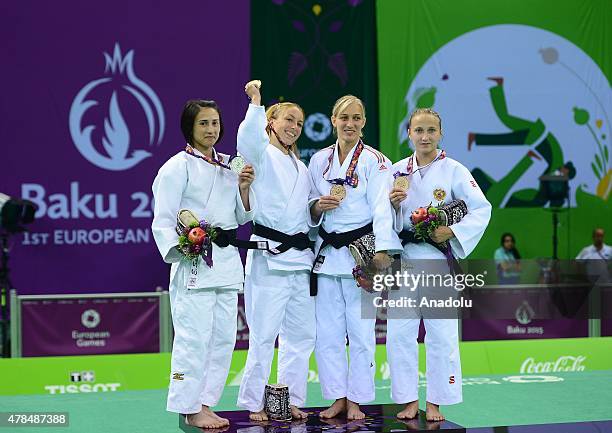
(116, 133)
(524, 313)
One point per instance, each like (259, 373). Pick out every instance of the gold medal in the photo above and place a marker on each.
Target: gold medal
(338, 191)
(401, 182)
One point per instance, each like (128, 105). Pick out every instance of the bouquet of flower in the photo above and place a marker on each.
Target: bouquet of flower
(363, 278)
(195, 236)
(427, 219)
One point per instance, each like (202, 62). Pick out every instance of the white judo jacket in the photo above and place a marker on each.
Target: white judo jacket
(211, 193)
(443, 181)
(368, 202)
(282, 188)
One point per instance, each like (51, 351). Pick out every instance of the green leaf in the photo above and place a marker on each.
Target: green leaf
(581, 116)
(606, 154)
(595, 171)
(599, 164)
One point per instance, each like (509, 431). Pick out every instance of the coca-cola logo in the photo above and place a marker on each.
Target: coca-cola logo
(563, 363)
(111, 146)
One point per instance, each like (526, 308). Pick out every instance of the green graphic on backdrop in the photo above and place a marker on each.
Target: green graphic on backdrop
(312, 53)
(523, 133)
(521, 95)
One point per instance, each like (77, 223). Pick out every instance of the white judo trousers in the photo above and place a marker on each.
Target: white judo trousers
(340, 313)
(443, 373)
(278, 303)
(444, 378)
(204, 324)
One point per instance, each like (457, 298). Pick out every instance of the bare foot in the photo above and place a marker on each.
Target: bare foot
(410, 411)
(224, 421)
(296, 413)
(353, 411)
(335, 409)
(203, 419)
(258, 416)
(433, 413)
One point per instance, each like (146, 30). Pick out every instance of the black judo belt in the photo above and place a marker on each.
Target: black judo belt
(228, 237)
(336, 240)
(408, 237)
(299, 241)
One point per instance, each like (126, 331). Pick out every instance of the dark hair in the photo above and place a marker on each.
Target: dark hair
(514, 251)
(191, 110)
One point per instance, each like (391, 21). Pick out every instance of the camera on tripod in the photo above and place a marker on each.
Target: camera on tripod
(14, 214)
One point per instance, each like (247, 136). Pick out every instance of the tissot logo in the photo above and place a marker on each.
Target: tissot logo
(82, 376)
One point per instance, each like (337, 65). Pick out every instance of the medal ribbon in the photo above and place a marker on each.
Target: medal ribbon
(410, 166)
(270, 129)
(351, 178)
(212, 161)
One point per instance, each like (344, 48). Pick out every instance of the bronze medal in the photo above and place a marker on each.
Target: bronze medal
(338, 191)
(401, 182)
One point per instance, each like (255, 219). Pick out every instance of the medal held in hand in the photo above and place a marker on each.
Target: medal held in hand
(338, 191)
(237, 163)
(401, 182)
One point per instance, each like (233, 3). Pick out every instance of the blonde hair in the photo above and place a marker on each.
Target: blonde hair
(275, 111)
(425, 111)
(342, 103)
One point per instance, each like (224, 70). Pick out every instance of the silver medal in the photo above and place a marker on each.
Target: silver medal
(237, 163)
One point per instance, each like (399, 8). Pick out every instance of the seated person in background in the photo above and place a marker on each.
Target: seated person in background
(507, 260)
(598, 256)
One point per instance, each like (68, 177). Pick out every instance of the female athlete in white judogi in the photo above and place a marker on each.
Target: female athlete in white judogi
(203, 299)
(433, 178)
(276, 292)
(350, 193)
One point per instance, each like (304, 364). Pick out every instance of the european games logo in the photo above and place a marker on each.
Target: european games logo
(90, 318)
(317, 127)
(115, 139)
